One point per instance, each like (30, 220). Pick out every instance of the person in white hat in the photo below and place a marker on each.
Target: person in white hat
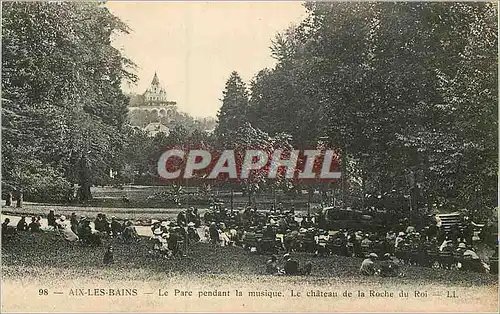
(368, 266)
(400, 238)
(157, 232)
(66, 231)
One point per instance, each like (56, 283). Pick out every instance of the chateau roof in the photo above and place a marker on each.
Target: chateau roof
(155, 81)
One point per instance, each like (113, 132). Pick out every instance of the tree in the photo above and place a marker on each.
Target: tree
(61, 82)
(233, 112)
(406, 93)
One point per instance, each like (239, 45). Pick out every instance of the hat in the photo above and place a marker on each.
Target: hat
(373, 255)
(191, 224)
(401, 234)
(387, 255)
(462, 245)
(157, 231)
(113, 217)
(153, 221)
(62, 218)
(287, 255)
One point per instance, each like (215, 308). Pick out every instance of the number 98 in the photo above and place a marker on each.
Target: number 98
(43, 292)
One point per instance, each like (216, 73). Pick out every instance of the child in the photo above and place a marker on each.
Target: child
(108, 257)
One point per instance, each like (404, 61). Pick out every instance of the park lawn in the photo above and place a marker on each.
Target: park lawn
(47, 255)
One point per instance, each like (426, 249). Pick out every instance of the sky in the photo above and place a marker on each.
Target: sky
(194, 46)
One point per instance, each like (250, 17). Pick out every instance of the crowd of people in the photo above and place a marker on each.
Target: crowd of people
(76, 229)
(281, 231)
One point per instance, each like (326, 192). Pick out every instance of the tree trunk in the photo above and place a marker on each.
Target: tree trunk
(232, 199)
(343, 163)
(84, 190)
(363, 186)
(19, 202)
(309, 200)
(8, 201)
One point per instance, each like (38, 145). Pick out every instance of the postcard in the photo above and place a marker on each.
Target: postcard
(178, 156)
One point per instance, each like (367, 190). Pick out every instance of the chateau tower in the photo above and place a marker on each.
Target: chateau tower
(154, 99)
(155, 94)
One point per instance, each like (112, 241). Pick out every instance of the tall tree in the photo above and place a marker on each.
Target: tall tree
(61, 81)
(405, 91)
(233, 112)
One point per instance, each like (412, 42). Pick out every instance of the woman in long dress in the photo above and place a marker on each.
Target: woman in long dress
(67, 233)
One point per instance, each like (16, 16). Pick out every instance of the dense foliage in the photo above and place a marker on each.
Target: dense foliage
(406, 92)
(63, 110)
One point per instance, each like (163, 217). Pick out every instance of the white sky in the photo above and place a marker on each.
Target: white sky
(194, 46)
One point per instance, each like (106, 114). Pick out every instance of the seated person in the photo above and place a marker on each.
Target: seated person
(272, 266)
(22, 225)
(130, 233)
(116, 227)
(193, 235)
(34, 225)
(7, 230)
(291, 266)
(389, 268)
(368, 266)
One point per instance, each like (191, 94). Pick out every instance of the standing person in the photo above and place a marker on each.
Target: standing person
(74, 223)
(116, 227)
(22, 225)
(197, 221)
(214, 233)
(98, 223)
(190, 216)
(181, 219)
(51, 219)
(105, 225)
(368, 266)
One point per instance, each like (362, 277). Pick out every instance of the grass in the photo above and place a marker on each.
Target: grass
(47, 255)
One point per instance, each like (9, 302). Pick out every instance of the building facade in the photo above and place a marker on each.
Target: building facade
(154, 100)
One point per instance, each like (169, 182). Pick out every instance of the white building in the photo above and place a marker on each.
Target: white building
(154, 99)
